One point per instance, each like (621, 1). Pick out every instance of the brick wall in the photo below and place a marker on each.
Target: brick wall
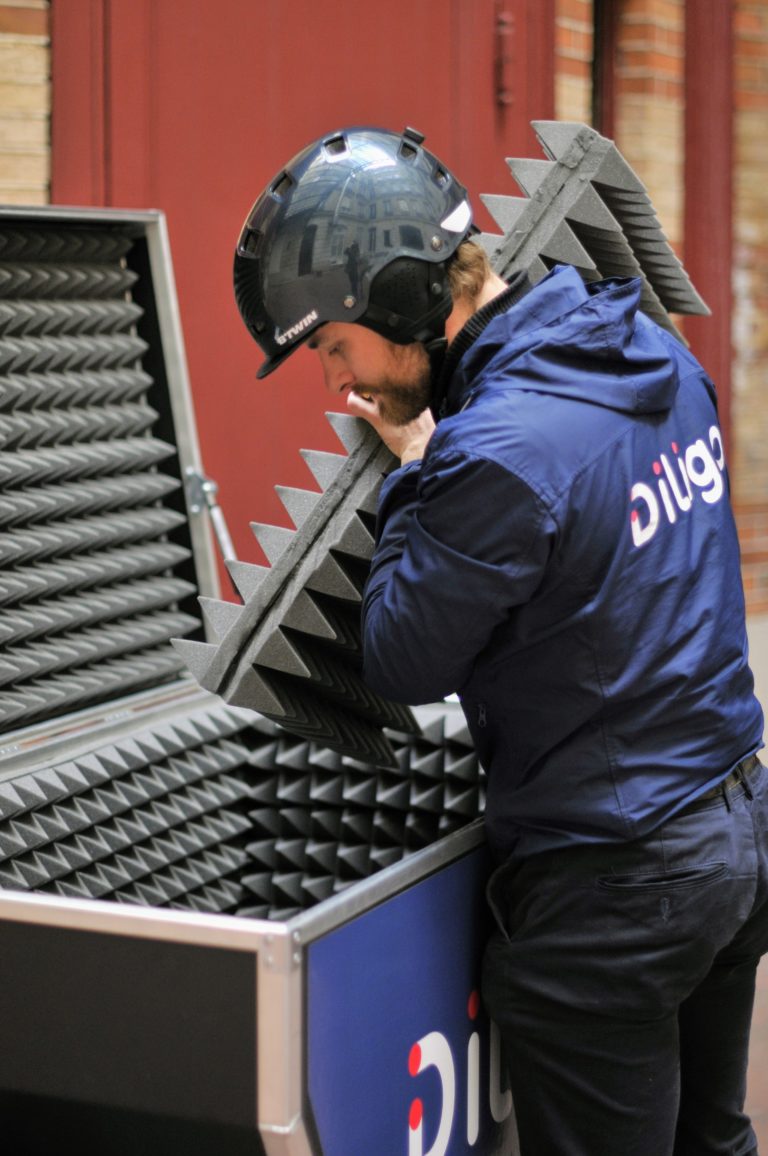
(648, 107)
(25, 102)
(573, 72)
(750, 284)
(648, 90)
(649, 102)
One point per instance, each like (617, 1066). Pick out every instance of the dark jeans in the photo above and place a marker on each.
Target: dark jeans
(622, 979)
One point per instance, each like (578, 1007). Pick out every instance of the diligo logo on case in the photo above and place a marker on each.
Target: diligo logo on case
(459, 1077)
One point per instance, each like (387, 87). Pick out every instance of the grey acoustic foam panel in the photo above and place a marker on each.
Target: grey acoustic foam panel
(584, 206)
(221, 811)
(93, 559)
(292, 650)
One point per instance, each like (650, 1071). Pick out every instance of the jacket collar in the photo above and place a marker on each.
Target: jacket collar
(517, 287)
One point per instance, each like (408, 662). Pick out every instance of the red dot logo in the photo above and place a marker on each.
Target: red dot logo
(416, 1115)
(414, 1062)
(473, 1005)
(657, 468)
(674, 447)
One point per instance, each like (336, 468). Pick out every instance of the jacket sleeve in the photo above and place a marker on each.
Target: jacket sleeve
(460, 543)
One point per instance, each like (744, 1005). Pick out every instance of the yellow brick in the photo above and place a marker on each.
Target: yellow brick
(33, 96)
(25, 195)
(20, 59)
(573, 99)
(24, 133)
(27, 169)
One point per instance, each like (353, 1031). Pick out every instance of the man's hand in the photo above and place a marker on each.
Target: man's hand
(407, 442)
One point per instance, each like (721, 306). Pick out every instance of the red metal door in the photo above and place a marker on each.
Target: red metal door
(191, 106)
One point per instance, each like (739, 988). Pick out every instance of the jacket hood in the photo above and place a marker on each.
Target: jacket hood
(623, 359)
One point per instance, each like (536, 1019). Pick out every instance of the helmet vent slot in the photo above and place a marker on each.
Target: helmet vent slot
(282, 186)
(250, 245)
(336, 145)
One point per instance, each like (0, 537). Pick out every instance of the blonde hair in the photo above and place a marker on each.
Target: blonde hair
(468, 271)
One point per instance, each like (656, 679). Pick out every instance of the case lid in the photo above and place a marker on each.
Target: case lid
(100, 564)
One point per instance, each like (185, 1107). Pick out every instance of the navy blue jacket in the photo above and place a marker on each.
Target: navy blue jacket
(565, 559)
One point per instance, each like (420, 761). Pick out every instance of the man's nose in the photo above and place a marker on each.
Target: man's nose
(338, 378)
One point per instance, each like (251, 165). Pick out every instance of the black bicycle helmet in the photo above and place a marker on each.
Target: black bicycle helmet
(359, 227)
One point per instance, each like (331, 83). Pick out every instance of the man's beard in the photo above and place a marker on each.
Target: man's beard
(406, 393)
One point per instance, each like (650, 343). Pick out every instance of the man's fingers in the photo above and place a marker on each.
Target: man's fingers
(361, 405)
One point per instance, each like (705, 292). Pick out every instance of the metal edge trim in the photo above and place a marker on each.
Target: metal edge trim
(290, 1141)
(280, 1045)
(80, 213)
(368, 893)
(180, 393)
(197, 929)
(42, 746)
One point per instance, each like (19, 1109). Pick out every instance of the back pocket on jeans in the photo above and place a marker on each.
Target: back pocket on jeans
(681, 877)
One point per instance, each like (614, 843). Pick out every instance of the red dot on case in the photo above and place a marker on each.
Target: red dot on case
(414, 1060)
(473, 1005)
(416, 1115)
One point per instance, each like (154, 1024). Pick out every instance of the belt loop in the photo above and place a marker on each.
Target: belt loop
(726, 798)
(745, 782)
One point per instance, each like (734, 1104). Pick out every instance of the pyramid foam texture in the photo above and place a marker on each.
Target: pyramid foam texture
(94, 563)
(221, 812)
